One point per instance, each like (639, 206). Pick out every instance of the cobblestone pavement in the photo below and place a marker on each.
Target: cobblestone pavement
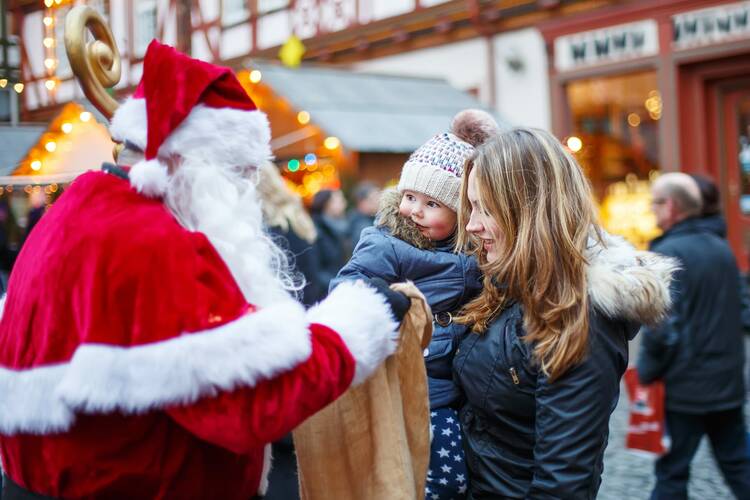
(630, 476)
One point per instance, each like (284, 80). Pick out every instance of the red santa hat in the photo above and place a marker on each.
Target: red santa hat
(191, 108)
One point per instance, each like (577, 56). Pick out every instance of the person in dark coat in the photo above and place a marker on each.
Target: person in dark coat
(541, 368)
(291, 228)
(698, 350)
(366, 199)
(332, 248)
(713, 221)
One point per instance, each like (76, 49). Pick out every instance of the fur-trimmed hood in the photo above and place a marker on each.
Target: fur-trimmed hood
(627, 283)
(400, 227)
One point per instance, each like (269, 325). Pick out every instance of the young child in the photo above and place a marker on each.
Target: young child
(413, 240)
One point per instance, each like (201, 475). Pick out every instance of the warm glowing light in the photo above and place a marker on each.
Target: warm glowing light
(48, 42)
(18, 87)
(654, 105)
(303, 117)
(48, 21)
(3, 83)
(49, 63)
(331, 142)
(574, 143)
(58, 2)
(255, 76)
(53, 188)
(634, 120)
(85, 116)
(51, 146)
(67, 127)
(36, 165)
(48, 3)
(50, 84)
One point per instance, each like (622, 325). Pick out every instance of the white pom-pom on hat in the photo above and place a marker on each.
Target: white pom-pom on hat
(150, 178)
(473, 126)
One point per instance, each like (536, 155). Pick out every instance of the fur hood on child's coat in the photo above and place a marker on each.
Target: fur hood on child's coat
(400, 227)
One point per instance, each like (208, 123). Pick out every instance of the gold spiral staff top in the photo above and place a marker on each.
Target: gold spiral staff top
(95, 63)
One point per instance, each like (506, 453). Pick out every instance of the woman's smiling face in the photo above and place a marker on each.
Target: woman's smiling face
(481, 224)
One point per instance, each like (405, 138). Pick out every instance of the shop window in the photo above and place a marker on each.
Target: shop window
(615, 124)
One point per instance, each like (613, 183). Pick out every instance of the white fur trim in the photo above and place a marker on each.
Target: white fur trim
(104, 378)
(28, 402)
(223, 136)
(630, 284)
(150, 178)
(364, 321)
(129, 122)
(267, 462)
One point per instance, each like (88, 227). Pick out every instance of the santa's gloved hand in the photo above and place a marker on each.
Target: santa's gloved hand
(398, 301)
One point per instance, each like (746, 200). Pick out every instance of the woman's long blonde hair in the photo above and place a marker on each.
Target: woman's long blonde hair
(281, 207)
(543, 206)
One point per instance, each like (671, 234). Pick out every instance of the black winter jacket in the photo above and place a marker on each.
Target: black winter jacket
(699, 350)
(527, 437)
(331, 250)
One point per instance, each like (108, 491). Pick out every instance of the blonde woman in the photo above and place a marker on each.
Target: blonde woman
(290, 226)
(541, 369)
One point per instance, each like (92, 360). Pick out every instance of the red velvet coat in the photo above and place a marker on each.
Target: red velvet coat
(133, 367)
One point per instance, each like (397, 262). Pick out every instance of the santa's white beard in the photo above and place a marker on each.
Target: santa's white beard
(222, 203)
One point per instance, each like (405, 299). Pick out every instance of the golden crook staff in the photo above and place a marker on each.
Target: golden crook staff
(96, 64)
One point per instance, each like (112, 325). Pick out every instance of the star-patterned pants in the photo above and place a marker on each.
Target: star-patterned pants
(446, 476)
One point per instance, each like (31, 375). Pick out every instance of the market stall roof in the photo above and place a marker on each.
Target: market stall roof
(15, 142)
(369, 112)
(74, 141)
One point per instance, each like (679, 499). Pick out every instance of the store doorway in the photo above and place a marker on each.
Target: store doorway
(714, 99)
(735, 132)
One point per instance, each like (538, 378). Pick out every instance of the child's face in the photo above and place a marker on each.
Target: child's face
(434, 220)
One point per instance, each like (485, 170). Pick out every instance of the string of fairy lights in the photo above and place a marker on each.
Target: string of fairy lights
(50, 42)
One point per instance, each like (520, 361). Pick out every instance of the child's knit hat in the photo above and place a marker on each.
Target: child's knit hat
(436, 167)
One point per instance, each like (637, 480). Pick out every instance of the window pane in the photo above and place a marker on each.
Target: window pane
(233, 11)
(744, 128)
(616, 119)
(145, 25)
(271, 5)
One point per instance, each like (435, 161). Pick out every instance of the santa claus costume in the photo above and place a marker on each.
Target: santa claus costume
(150, 348)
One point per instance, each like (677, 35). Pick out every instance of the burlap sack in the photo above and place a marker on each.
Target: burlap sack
(373, 443)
